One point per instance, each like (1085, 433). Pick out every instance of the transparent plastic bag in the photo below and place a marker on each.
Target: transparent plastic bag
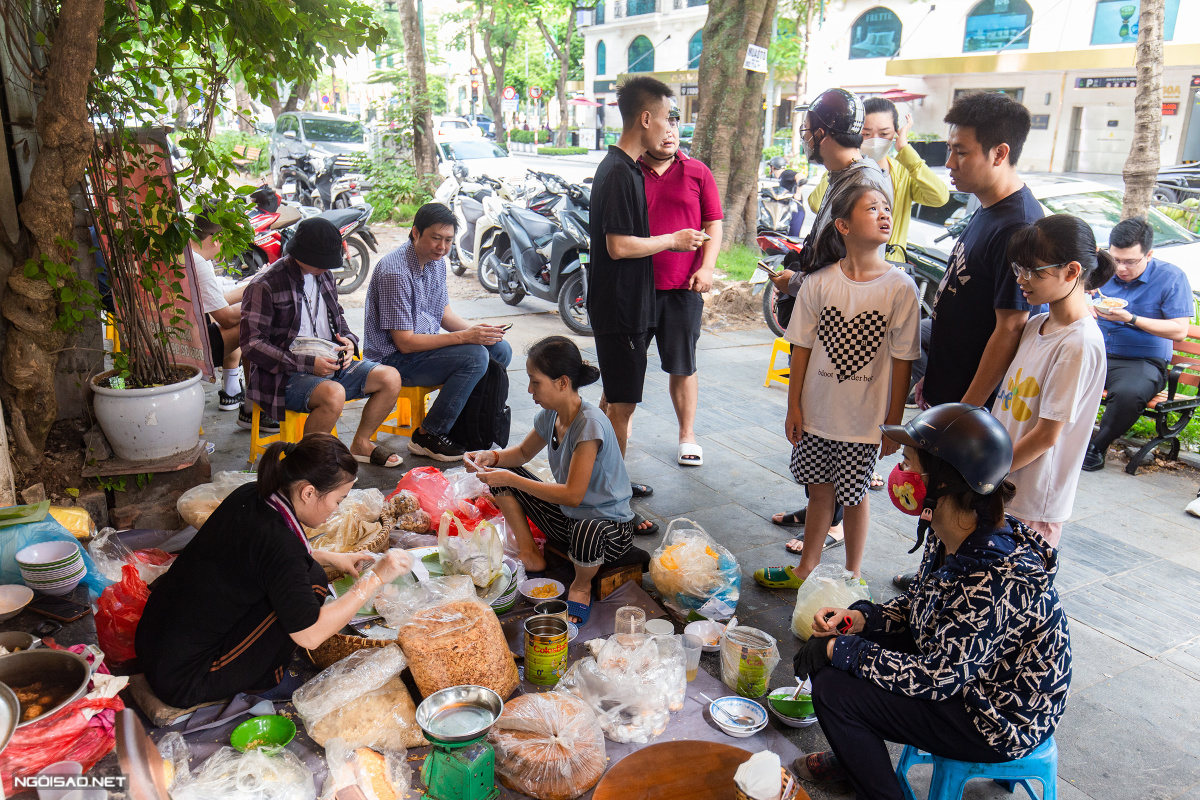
(356, 520)
(259, 774)
(176, 759)
(197, 504)
(380, 776)
(403, 511)
(548, 746)
(628, 687)
(75, 519)
(693, 572)
(313, 346)
(828, 585)
(361, 701)
(449, 636)
(464, 485)
(408, 540)
(111, 555)
(748, 657)
(477, 553)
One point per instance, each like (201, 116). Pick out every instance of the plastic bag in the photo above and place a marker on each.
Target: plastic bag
(402, 511)
(75, 519)
(361, 701)
(748, 657)
(111, 555)
(314, 346)
(828, 585)
(477, 553)
(548, 746)
(197, 504)
(408, 540)
(118, 611)
(15, 538)
(176, 759)
(694, 573)
(464, 485)
(259, 774)
(436, 494)
(355, 521)
(380, 776)
(449, 636)
(628, 687)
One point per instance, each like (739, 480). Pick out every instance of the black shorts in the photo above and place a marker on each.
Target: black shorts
(622, 358)
(677, 329)
(216, 344)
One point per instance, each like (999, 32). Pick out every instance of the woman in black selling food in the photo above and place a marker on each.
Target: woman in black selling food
(248, 590)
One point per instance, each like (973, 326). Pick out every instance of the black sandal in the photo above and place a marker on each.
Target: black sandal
(638, 519)
(794, 519)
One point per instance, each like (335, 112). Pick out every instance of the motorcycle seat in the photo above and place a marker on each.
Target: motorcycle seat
(472, 210)
(342, 217)
(534, 224)
(288, 215)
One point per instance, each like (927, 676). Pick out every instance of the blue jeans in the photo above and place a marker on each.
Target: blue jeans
(456, 369)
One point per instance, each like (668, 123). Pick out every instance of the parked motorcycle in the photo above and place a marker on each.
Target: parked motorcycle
(778, 204)
(779, 252)
(324, 185)
(476, 228)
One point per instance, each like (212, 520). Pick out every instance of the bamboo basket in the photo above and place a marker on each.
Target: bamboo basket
(340, 645)
(784, 792)
(373, 544)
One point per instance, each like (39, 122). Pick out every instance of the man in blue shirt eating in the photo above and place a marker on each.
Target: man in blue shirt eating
(1157, 310)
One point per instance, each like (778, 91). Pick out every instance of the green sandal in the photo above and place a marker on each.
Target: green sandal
(778, 578)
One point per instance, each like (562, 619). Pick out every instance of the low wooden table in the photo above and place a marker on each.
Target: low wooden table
(686, 770)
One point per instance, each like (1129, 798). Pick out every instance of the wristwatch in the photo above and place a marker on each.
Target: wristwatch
(1133, 318)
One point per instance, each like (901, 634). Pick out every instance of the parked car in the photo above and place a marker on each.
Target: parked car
(1177, 183)
(448, 128)
(931, 234)
(486, 124)
(309, 133)
(480, 157)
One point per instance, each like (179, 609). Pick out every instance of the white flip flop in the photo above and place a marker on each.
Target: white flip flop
(690, 455)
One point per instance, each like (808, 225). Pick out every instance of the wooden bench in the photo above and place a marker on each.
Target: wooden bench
(612, 575)
(1169, 403)
(244, 155)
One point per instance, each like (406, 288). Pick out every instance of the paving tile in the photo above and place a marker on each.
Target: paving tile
(1097, 657)
(751, 442)
(734, 476)
(1156, 695)
(1087, 556)
(677, 494)
(1139, 527)
(1185, 658)
(1107, 755)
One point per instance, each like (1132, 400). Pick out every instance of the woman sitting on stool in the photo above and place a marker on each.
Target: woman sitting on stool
(248, 589)
(587, 511)
(973, 662)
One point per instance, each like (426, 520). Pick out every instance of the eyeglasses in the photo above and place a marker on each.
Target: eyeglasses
(1027, 273)
(1129, 263)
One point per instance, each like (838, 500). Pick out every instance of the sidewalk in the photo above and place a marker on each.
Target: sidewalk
(1129, 576)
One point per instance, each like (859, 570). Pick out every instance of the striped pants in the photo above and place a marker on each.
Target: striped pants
(589, 542)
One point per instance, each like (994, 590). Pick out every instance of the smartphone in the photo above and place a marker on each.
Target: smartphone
(705, 236)
(763, 266)
(505, 328)
(470, 462)
(59, 608)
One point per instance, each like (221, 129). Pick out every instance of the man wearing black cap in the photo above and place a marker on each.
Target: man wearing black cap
(296, 298)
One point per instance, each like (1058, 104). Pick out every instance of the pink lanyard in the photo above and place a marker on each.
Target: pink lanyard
(277, 502)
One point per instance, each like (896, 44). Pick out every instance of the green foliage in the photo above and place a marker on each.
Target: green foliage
(773, 151)
(562, 151)
(224, 142)
(738, 262)
(405, 213)
(77, 299)
(393, 183)
(119, 483)
(530, 137)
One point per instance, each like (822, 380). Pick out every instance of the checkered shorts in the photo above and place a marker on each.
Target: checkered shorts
(847, 465)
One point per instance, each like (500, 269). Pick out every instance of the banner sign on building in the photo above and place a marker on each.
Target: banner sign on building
(1105, 83)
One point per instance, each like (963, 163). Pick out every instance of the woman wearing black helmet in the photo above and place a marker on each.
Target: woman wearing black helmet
(973, 662)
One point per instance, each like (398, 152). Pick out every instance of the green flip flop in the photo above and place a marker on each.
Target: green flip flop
(777, 578)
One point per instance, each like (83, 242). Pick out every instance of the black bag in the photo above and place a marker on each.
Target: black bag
(486, 418)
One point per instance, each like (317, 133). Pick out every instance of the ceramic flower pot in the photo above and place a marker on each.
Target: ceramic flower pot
(153, 423)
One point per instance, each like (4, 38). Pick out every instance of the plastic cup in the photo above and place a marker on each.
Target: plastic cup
(631, 621)
(692, 647)
(660, 627)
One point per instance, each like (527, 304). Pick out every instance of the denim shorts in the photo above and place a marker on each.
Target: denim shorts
(300, 385)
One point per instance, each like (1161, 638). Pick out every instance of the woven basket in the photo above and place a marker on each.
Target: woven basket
(374, 544)
(340, 645)
(782, 787)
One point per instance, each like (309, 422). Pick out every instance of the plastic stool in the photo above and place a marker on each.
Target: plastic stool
(411, 405)
(291, 429)
(779, 374)
(909, 758)
(950, 776)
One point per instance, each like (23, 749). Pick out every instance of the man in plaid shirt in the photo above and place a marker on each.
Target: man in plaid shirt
(297, 297)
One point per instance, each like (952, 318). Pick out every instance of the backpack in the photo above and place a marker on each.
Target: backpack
(486, 418)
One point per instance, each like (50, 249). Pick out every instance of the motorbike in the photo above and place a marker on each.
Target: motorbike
(778, 204)
(779, 252)
(537, 256)
(476, 226)
(324, 185)
(274, 224)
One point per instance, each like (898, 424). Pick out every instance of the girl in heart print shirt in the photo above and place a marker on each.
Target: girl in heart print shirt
(855, 333)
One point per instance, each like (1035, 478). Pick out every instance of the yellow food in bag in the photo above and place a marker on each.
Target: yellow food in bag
(76, 520)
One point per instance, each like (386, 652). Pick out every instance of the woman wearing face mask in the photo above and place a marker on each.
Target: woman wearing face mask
(248, 589)
(912, 179)
(973, 662)
(1049, 397)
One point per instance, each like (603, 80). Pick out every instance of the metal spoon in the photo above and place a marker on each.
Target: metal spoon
(736, 719)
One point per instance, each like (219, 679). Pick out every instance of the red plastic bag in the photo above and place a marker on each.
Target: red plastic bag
(117, 613)
(431, 488)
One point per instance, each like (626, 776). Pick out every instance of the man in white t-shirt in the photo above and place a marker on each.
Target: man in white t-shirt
(223, 310)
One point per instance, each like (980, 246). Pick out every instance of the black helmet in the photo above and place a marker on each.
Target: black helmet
(838, 111)
(787, 179)
(966, 437)
(778, 162)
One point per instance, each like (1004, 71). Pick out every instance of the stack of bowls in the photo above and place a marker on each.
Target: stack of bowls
(52, 567)
(508, 598)
(737, 707)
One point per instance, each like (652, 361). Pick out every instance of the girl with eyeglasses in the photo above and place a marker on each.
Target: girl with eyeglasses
(1051, 392)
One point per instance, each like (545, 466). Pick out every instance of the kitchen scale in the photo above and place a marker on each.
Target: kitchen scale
(461, 765)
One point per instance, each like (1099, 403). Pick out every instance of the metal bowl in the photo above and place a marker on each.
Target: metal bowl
(54, 667)
(458, 714)
(10, 713)
(14, 641)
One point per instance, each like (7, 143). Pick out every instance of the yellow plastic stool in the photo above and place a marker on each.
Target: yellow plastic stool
(779, 373)
(110, 332)
(291, 429)
(411, 406)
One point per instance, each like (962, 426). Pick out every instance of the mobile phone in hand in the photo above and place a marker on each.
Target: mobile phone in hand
(505, 328)
(705, 236)
(763, 266)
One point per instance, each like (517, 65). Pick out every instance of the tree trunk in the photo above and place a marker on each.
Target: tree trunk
(802, 78)
(424, 155)
(65, 136)
(564, 56)
(1141, 167)
(493, 89)
(730, 96)
(298, 93)
(241, 99)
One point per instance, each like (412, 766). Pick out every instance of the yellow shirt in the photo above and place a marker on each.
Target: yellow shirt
(912, 182)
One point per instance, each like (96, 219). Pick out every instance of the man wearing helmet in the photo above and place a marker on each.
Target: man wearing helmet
(973, 662)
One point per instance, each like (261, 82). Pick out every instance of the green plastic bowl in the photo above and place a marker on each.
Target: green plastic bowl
(800, 708)
(271, 730)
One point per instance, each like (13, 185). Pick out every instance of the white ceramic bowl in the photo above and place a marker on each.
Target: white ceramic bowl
(737, 706)
(706, 629)
(13, 599)
(536, 583)
(45, 554)
(65, 586)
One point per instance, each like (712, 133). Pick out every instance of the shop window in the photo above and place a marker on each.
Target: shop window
(1117, 21)
(641, 55)
(875, 34)
(998, 25)
(601, 58)
(695, 45)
